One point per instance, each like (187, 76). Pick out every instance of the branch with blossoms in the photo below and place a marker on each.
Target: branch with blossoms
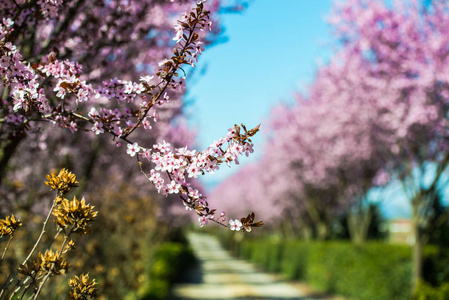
(187, 51)
(29, 102)
(180, 164)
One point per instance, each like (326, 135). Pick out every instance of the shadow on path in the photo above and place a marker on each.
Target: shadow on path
(219, 276)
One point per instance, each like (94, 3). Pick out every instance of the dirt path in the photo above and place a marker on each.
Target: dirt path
(221, 276)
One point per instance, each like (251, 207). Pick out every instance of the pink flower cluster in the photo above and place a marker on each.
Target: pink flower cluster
(198, 45)
(20, 76)
(182, 163)
(27, 93)
(67, 75)
(49, 8)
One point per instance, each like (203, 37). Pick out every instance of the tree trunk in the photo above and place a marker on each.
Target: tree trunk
(287, 229)
(306, 233)
(322, 231)
(359, 220)
(417, 255)
(419, 242)
(6, 152)
(318, 222)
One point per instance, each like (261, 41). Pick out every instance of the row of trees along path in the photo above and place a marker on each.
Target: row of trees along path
(218, 275)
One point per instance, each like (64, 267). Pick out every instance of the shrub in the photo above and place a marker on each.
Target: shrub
(427, 292)
(169, 261)
(436, 265)
(372, 271)
(294, 259)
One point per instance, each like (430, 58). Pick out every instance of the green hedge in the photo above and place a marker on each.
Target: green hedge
(428, 292)
(373, 271)
(169, 259)
(436, 265)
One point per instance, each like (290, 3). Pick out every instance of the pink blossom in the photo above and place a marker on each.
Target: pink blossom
(173, 187)
(133, 149)
(128, 88)
(117, 130)
(179, 33)
(147, 79)
(73, 127)
(193, 171)
(98, 128)
(93, 112)
(235, 224)
(147, 154)
(203, 220)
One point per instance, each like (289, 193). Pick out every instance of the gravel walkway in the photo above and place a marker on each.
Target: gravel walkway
(220, 276)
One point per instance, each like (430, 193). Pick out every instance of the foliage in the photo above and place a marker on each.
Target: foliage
(170, 260)
(359, 272)
(124, 240)
(427, 292)
(436, 265)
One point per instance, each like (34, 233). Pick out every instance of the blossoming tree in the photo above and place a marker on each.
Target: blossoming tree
(378, 108)
(405, 48)
(40, 83)
(81, 78)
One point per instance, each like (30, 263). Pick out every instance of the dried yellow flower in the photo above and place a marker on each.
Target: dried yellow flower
(82, 288)
(31, 268)
(9, 225)
(75, 213)
(52, 262)
(43, 264)
(70, 245)
(62, 182)
(58, 200)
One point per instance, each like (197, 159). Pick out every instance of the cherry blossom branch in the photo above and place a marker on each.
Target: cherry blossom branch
(183, 163)
(171, 66)
(27, 98)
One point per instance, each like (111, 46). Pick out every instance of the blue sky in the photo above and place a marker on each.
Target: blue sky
(272, 50)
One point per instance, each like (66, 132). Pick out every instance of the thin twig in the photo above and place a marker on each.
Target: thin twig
(42, 232)
(66, 238)
(34, 247)
(167, 79)
(6, 248)
(25, 290)
(2, 290)
(19, 285)
(54, 238)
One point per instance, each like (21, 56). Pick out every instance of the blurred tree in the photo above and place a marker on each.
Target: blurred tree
(377, 112)
(406, 50)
